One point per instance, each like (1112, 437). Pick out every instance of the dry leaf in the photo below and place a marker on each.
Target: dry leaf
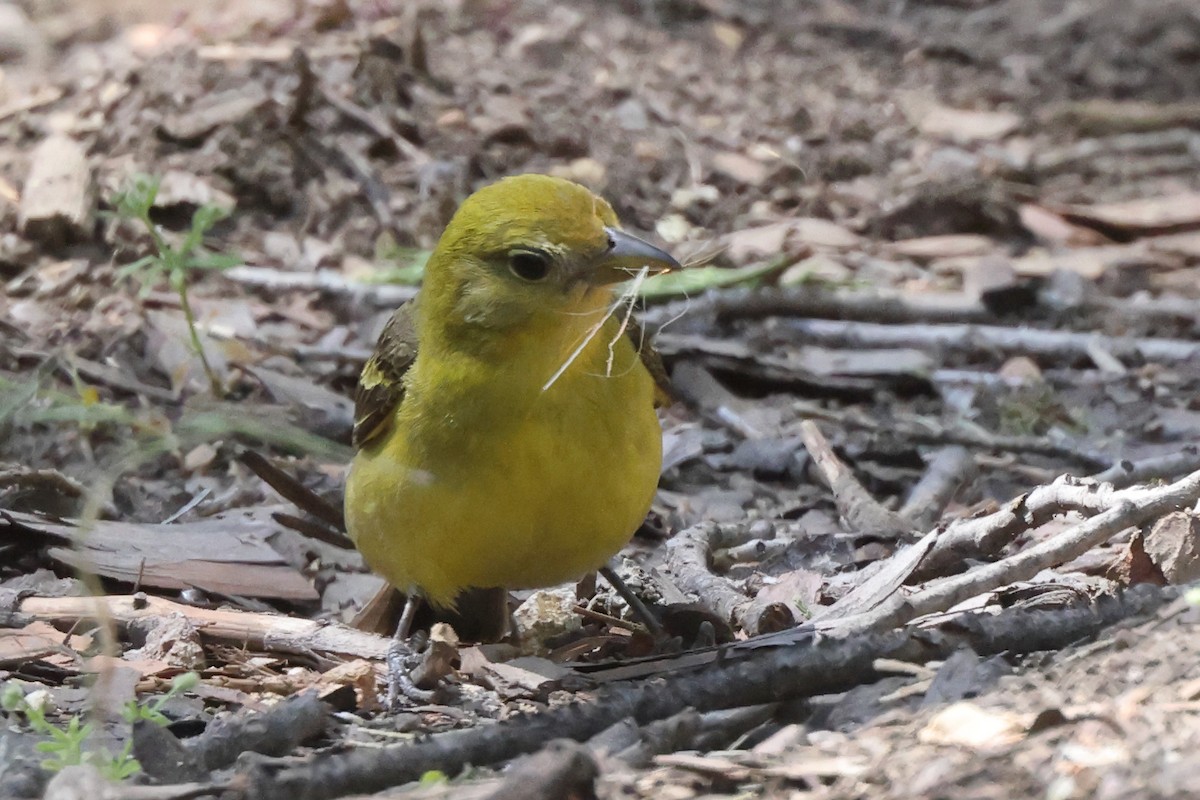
(1182, 244)
(952, 245)
(969, 725)
(1145, 215)
(1051, 228)
(962, 125)
(1020, 368)
(740, 168)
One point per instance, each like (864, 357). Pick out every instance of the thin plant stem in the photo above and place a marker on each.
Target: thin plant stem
(184, 303)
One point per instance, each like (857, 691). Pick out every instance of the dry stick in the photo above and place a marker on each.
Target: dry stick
(984, 536)
(299, 495)
(676, 732)
(687, 561)
(1125, 473)
(561, 769)
(975, 339)
(382, 295)
(1058, 549)
(861, 511)
(636, 606)
(751, 675)
(923, 430)
(1064, 159)
(828, 665)
(950, 468)
(891, 307)
(877, 306)
(268, 632)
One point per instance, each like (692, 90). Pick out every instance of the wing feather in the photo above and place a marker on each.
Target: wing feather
(652, 361)
(381, 382)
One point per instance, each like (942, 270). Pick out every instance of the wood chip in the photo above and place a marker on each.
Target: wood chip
(970, 725)
(964, 125)
(57, 204)
(1173, 544)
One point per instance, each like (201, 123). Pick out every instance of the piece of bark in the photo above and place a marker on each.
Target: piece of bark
(861, 511)
(688, 554)
(986, 340)
(199, 119)
(225, 554)
(269, 632)
(950, 468)
(562, 770)
(162, 756)
(1173, 545)
(274, 732)
(57, 205)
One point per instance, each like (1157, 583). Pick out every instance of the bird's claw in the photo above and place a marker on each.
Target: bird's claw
(401, 658)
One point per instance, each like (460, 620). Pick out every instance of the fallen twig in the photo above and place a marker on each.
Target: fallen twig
(688, 554)
(984, 536)
(950, 468)
(828, 665)
(861, 511)
(923, 430)
(1059, 346)
(299, 495)
(379, 294)
(752, 673)
(1126, 473)
(269, 632)
(1058, 549)
(875, 306)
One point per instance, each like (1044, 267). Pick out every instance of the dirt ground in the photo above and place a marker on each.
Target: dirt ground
(961, 237)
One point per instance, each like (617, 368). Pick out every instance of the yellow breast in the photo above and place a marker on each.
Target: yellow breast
(488, 479)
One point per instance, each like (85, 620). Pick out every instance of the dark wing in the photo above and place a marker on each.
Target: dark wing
(653, 363)
(381, 382)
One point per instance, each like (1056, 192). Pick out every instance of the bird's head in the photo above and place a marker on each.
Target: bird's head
(527, 249)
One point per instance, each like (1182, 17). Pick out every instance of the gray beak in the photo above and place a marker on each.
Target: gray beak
(626, 255)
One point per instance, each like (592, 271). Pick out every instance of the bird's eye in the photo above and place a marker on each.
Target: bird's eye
(529, 265)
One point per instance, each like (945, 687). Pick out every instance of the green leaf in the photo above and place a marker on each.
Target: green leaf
(698, 279)
(136, 200)
(11, 697)
(132, 270)
(216, 261)
(184, 682)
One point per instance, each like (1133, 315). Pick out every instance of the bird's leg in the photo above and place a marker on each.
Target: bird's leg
(635, 603)
(401, 658)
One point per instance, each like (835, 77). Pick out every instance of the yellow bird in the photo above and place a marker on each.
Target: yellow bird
(505, 424)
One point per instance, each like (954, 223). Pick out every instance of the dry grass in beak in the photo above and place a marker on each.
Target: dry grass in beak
(627, 298)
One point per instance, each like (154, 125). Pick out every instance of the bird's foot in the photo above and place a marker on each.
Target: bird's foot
(402, 657)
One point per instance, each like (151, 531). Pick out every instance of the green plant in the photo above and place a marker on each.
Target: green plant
(173, 262)
(406, 265)
(66, 745)
(151, 711)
